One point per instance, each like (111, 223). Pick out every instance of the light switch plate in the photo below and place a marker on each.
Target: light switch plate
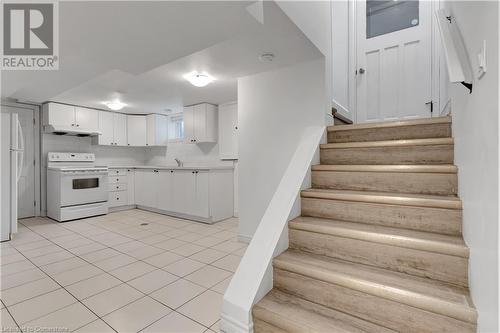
(481, 60)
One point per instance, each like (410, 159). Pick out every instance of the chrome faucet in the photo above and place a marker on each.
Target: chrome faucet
(179, 162)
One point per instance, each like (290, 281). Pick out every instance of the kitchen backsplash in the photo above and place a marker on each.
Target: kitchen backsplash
(191, 154)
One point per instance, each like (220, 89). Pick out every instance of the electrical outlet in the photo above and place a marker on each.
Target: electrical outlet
(481, 61)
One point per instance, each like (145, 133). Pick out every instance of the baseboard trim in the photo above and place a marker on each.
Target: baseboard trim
(230, 325)
(244, 238)
(120, 208)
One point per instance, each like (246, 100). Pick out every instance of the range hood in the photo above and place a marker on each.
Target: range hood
(64, 130)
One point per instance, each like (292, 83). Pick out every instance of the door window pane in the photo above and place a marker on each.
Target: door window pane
(383, 17)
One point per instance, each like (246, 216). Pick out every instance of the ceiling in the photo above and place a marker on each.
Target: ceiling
(139, 52)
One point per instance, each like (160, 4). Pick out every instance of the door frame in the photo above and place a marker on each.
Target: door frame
(36, 108)
(437, 75)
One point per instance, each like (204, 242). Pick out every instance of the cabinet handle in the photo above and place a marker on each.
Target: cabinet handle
(128, 144)
(77, 125)
(171, 171)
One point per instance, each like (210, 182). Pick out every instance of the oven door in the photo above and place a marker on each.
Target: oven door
(83, 187)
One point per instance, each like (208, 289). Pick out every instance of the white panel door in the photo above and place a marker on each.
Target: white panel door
(146, 188)
(106, 125)
(87, 119)
(394, 60)
(120, 129)
(165, 191)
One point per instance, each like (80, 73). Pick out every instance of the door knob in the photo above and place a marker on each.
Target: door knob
(361, 70)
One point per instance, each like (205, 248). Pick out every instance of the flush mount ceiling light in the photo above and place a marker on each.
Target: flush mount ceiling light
(199, 79)
(115, 105)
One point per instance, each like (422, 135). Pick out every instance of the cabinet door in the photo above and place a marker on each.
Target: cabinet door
(200, 204)
(61, 114)
(87, 119)
(120, 129)
(183, 191)
(156, 130)
(136, 131)
(200, 121)
(189, 124)
(130, 187)
(165, 190)
(146, 187)
(228, 126)
(106, 128)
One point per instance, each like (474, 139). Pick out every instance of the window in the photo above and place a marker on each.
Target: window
(175, 128)
(383, 17)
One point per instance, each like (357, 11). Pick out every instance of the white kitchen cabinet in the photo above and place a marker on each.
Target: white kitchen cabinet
(182, 183)
(136, 130)
(200, 123)
(69, 117)
(228, 131)
(200, 203)
(156, 130)
(113, 128)
(130, 187)
(86, 119)
(120, 129)
(59, 115)
(146, 187)
(165, 191)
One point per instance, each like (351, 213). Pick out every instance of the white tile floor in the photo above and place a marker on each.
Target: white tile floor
(128, 271)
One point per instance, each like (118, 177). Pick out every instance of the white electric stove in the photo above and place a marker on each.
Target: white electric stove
(76, 187)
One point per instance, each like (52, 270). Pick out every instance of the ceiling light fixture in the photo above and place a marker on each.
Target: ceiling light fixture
(199, 79)
(115, 105)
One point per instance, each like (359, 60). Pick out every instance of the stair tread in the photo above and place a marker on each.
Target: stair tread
(310, 317)
(405, 199)
(423, 293)
(388, 143)
(416, 168)
(419, 240)
(401, 123)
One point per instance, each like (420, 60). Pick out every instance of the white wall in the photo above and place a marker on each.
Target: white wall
(204, 153)
(341, 62)
(313, 18)
(273, 110)
(475, 129)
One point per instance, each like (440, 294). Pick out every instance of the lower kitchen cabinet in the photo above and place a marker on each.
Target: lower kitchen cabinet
(146, 187)
(120, 187)
(202, 195)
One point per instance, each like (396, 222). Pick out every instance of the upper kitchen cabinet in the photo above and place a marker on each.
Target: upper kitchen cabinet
(228, 131)
(87, 119)
(68, 118)
(157, 132)
(113, 128)
(136, 131)
(200, 123)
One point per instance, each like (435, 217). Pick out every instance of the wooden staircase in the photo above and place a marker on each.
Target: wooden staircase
(379, 245)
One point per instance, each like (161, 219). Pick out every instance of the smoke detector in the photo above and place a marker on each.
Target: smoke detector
(266, 57)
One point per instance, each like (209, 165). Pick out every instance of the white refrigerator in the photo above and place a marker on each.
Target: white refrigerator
(11, 163)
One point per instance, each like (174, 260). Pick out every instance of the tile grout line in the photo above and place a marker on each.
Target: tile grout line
(125, 282)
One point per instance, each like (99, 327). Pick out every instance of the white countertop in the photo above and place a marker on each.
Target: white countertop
(173, 167)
